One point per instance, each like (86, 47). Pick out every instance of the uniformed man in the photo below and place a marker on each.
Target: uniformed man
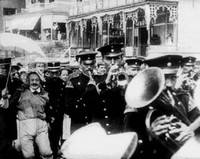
(82, 93)
(133, 66)
(169, 114)
(185, 81)
(111, 104)
(56, 89)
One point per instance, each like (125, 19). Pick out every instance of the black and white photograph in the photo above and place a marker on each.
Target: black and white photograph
(99, 79)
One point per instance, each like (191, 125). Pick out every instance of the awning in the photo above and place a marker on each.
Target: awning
(29, 23)
(25, 23)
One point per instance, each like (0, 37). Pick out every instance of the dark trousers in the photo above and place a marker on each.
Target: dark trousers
(55, 134)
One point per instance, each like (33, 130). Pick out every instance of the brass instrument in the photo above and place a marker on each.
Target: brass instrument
(122, 79)
(147, 88)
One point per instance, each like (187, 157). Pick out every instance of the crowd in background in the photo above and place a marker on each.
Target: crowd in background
(43, 105)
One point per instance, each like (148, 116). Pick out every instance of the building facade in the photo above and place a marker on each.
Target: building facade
(145, 27)
(9, 7)
(43, 20)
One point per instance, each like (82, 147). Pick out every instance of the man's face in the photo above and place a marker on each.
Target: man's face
(188, 68)
(170, 81)
(109, 61)
(102, 69)
(132, 71)
(86, 67)
(64, 75)
(34, 81)
(40, 67)
(54, 74)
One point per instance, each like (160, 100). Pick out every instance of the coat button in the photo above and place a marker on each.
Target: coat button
(76, 106)
(84, 105)
(85, 117)
(104, 109)
(109, 132)
(103, 101)
(107, 124)
(106, 117)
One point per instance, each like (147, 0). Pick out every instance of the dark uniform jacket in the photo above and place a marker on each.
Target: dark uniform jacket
(80, 100)
(109, 111)
(135, 121)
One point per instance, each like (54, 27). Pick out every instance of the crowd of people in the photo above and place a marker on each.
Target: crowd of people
(42, 104)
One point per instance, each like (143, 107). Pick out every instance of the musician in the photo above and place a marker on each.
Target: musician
(166, 104)
(82, 91)
(186, 79)
(133, 66)
(110, 107)
(55, 87)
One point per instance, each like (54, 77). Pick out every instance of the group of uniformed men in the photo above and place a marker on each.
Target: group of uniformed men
(88, 96)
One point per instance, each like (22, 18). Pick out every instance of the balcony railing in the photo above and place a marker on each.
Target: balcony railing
(95, 5)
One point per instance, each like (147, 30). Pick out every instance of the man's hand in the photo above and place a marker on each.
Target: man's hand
(111, 73)
(4, 93)
(184, 131)
(160, 125)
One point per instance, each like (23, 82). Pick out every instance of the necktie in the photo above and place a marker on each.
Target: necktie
(35, 92)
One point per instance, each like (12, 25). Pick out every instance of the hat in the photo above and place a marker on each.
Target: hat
(15, 67)
(111, 50)
(168, 63)
(189, 61)
(23, 70)
(35, 71)
(99, 63)
(53, 66)
(64, 64)
(92, 142)
(87, 56)
(39, 60)
(134, 62)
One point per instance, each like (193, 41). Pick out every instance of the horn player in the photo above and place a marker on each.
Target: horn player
(167, 122)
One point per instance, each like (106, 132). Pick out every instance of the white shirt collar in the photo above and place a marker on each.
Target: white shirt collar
(37, 90)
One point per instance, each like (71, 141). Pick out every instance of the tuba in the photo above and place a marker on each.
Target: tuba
(147, 88)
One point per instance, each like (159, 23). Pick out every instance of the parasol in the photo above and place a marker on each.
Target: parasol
(19, 45)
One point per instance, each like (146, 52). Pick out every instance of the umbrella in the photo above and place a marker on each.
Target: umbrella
(19, 45)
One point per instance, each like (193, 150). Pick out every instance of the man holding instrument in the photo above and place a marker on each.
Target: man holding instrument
(82, 91)
(164, 122)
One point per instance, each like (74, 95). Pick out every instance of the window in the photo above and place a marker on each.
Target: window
(9, 11)
(163, 32)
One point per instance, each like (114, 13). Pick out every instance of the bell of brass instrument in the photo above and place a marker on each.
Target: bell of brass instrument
(122, 79)
(144, 89)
